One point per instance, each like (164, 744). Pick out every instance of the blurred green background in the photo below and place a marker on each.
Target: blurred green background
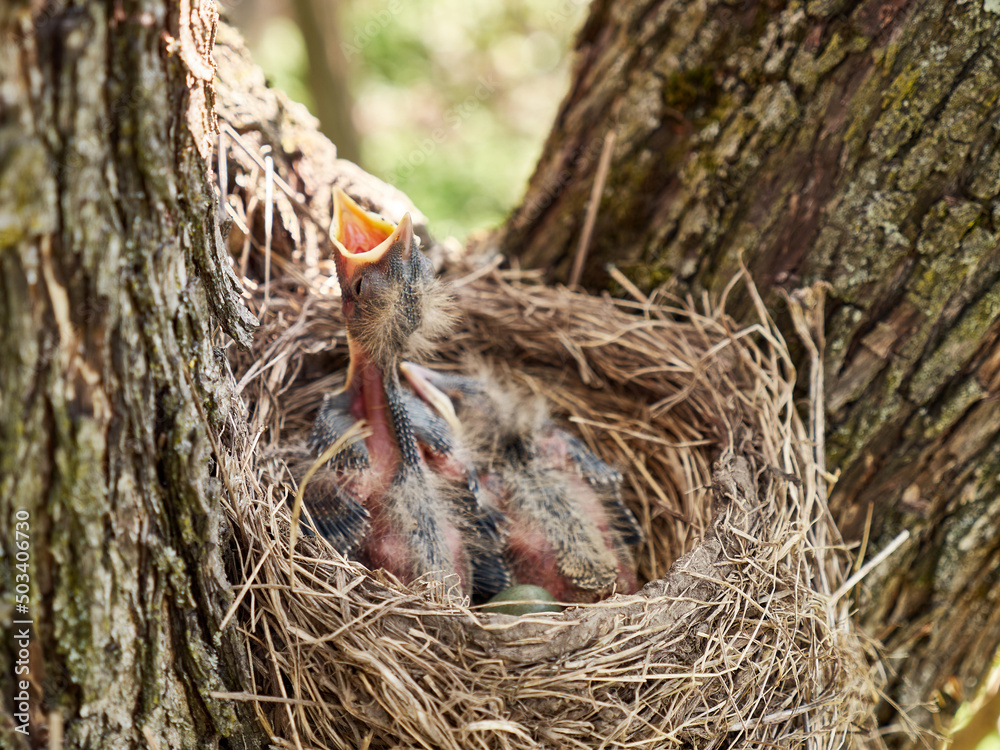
(450, 101)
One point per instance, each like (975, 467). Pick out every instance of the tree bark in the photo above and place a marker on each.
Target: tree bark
(112, 395)
(854, 143)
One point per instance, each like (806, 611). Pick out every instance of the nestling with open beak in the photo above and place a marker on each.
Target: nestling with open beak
(489, 490)
(382, 503)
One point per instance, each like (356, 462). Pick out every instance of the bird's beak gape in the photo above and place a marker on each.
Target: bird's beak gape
(362, 239)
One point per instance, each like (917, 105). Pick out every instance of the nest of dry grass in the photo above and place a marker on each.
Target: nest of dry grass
(736, 641)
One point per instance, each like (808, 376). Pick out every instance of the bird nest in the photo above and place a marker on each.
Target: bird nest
(738, 638)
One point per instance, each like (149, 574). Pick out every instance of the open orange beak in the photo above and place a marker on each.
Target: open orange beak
(363, 239)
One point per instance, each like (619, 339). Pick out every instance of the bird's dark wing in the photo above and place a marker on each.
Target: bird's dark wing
(430, 428)
(341, 519)
(332, 421)
(481, 522)
(607, 482)
(490, 570)
(337, 516)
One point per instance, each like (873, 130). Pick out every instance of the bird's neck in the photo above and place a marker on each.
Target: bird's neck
(378, 398)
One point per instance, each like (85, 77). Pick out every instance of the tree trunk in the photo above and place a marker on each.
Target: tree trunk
(112, 395)
(854, 143)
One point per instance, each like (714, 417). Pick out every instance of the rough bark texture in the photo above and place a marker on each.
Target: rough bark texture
(852, 142)
(112, 396)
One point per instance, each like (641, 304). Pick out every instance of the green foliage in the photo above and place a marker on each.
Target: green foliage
(281, 52)
(453, 99)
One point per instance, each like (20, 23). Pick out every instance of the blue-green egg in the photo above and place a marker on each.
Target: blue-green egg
(522, 599)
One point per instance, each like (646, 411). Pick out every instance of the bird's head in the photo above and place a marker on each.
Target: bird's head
(392, 302)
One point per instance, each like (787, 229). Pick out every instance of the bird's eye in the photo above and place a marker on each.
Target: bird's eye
(359, 286)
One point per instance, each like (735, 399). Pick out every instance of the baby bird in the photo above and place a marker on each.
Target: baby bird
(381, 503)
(567, 527)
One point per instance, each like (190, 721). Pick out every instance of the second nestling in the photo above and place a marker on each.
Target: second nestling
(459, 475)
